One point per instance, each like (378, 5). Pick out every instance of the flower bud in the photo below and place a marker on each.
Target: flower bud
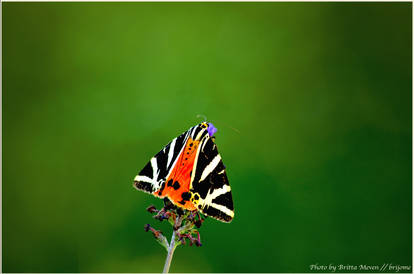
(198, 223)
(151, 209)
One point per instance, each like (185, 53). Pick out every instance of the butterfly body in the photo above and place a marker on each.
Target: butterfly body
(190, 173)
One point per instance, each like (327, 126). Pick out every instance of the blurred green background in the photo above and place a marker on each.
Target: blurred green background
(320, 93)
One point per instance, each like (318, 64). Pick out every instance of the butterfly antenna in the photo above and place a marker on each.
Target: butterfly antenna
(202, 116)
(232, 128)
(235, 129)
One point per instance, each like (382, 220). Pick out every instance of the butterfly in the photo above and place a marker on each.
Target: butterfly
(189, 172)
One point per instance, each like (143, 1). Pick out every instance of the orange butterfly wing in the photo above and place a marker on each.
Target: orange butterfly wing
(177, 186)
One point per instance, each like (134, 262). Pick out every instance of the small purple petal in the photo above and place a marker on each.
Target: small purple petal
(211, 129)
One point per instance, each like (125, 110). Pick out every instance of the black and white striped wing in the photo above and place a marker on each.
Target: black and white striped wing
(153, 175)
(211, 184)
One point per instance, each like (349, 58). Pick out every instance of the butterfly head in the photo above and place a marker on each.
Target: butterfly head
(211, 129)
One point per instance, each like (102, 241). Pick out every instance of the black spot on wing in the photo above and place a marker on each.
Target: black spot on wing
(225, 200)
(161, 189)
(186, 196)
(176, 185)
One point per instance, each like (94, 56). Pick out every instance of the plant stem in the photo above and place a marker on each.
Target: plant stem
(171, 249)
(172, 245)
